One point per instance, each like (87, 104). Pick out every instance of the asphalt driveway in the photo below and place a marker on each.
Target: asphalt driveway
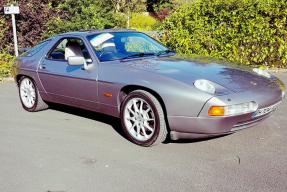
(67, 150)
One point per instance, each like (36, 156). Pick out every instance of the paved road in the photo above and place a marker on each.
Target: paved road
(64, 150)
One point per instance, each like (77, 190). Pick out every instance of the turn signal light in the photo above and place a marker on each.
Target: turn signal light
(231, 110)
(216, 111)
(108, 94)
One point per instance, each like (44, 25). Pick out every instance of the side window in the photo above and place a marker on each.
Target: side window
(139, 45)
(69, 47)
(35, 49)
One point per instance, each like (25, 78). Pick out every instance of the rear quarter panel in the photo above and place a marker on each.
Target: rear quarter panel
(28, 65)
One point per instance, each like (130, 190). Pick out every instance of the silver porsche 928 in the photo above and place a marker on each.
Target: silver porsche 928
(127, 74)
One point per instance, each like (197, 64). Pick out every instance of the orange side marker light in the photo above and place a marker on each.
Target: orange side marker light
(216, 111)
(107, 94)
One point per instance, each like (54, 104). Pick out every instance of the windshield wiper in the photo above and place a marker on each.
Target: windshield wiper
(137, 55)
(164, 52)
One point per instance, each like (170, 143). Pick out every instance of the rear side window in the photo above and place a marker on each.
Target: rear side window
(35, 49)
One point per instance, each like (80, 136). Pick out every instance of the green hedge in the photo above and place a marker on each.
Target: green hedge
(143, 22)
(6, 62)
(250, 32)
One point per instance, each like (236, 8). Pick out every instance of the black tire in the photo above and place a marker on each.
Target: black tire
(160, 131)
(39, 104)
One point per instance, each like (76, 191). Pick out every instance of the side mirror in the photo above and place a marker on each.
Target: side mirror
(77, 60)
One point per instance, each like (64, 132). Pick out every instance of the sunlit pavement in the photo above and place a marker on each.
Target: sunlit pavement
(68, 150)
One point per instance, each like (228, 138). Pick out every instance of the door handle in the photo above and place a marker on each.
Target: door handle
(42, 66)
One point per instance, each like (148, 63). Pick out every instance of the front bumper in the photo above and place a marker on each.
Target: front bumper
(211, 127)
(198, 127)
(202, 126)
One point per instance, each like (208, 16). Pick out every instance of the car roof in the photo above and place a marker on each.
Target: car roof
(91, 32)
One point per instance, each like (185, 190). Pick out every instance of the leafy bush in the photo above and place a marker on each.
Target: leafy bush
(84, 15)
(3, 29)
(143, 22)
(31, 21)
(160, 9)
(251, 32)
(6, 62)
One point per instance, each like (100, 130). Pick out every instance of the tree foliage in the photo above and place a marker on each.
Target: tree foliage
(143, 22)
(252, 32)
(157, 5)
(160, 9)
(3, 30)
(124, 6)
(31, 21)
(40, 19)
(84, 15)
(6, 61)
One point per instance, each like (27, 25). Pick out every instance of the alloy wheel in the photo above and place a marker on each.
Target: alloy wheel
(139, 118)
(27, 93)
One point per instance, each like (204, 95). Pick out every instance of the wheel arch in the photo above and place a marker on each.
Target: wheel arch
(19, 76)
(33, 78)
(130, 88)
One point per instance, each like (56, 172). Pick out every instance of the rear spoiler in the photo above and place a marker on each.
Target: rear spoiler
(23, 50)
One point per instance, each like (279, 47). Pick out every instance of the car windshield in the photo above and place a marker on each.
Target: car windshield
(124, 45)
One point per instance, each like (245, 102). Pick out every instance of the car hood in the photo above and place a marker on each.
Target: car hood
(188, 71)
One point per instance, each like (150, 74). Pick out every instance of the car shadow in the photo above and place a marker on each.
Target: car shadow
(115, 123)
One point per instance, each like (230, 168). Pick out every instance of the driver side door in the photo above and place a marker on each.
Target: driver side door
(63, 83)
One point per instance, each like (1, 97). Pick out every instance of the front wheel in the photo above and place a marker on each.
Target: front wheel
(29, 95)
(143, 119)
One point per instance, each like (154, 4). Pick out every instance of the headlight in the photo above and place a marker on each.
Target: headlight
(204, 85)
(262, 72)
(231, 110)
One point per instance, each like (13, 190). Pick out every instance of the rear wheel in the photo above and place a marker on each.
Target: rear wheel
(143, 119)
(29, 95)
